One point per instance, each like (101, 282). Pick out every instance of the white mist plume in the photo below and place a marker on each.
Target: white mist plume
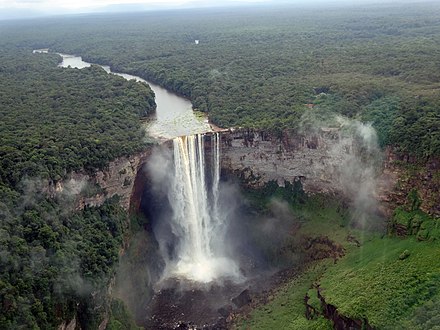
(355, 158)
(74, 187)
(361, 157)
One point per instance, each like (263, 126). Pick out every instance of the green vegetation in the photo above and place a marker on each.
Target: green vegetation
(254, 67)
(316, 215)
(56, 263)
(137, 269)
(309, 217)
(287, 309)
(377, 283)
(416, 223)
(120, 319)
(388, 281)
(58, 120)
(258, 67)
(410, 220)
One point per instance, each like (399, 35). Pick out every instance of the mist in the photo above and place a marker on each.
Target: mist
(43, 8)
(355, 160)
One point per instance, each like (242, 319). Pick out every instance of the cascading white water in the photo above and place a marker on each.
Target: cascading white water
(197, 220)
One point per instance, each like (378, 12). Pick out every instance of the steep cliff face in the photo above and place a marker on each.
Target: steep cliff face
(259, 158)
(414, 174)
(326, 161)
(117, 178)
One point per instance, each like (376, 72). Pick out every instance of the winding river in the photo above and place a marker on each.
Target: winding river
(174, 114)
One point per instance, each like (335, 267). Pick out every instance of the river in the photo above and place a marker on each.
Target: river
(174, 114)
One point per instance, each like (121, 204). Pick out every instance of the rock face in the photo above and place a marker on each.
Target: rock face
(118, 179)
(409, 173)
(329, 162)
(93, 189)
(341, 322)
(258, 158)
(242, 299)
(325, 161)
(72, 325)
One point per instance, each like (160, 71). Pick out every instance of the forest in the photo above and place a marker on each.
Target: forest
(55, 121)
(259, 67)
(263, 68)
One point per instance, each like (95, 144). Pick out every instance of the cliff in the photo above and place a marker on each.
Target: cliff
(258, 158)
(93, 189)
(414, 174)
(327, 161)
(330, 162)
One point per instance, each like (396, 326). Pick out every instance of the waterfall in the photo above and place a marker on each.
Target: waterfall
(216, 176)
(197, 221)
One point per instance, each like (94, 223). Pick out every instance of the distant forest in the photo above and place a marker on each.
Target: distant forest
(258, 67)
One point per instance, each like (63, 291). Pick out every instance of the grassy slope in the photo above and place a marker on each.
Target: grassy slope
(287, 309)
(318, 217)
(375, 283)
(371, 281)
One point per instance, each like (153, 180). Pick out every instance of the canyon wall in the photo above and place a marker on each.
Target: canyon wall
(93, 189)
(327, 162)
(324, 161)
(413, 174)
(257, 158)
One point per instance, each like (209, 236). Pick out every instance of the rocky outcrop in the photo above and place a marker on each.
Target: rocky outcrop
(118, 179)
(318, 306)
(324, 161)
(72, 325)
(258, 158)
(408, 173)
(341, 322)
(321, 247)
(327, 161)
(85, 189)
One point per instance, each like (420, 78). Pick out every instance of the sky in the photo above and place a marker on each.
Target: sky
(10, 9)
(86, 5)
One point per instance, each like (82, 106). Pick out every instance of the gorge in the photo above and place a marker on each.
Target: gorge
(338, 158)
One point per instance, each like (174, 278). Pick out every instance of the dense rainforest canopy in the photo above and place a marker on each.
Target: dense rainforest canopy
(54, 121)
(57, 120)
(258, 67)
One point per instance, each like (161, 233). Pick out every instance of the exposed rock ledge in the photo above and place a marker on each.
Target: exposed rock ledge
(93, 189)
(259, 158)
(324, 161)
(72, 325)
